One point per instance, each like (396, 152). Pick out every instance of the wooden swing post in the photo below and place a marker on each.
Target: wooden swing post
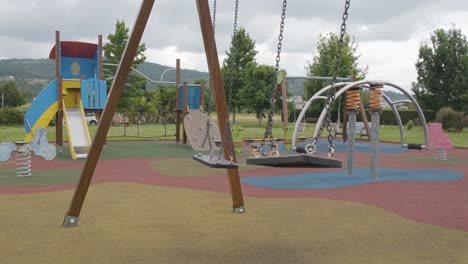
(220, 101)
(72, 217)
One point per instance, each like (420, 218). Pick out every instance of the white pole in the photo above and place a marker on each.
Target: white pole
(339, 110)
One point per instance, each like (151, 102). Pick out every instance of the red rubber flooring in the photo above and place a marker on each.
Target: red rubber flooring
(438, 203)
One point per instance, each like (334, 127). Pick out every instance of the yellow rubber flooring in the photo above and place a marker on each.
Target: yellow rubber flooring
(137, 223)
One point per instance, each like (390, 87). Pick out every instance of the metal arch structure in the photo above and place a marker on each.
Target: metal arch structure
(343, 87)
(315, 97)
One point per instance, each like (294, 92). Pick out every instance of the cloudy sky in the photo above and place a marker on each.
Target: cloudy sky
(388, 32)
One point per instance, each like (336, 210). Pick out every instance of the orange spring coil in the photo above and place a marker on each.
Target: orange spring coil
(353, 98)
(375, 97)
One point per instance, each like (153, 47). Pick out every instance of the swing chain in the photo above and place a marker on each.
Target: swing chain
(268, 130)
(236, 12)
(224, 137)
(341, 43)
(208, 120)
(212, 58)
(332, 91)
(214, 18)
(227, 135)
(207, 136)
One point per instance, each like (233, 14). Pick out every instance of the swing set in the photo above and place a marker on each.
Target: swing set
(229, 160)
(265, 154)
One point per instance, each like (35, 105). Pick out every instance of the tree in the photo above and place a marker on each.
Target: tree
(113, 51)
(442, 69)
(464, 101)
(27, 94)
(165, 102)
(256, 93)
(241, 53)
(324, 62)
(11, 95)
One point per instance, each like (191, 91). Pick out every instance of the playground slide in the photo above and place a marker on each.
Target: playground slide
(42, 110)
(78, 135)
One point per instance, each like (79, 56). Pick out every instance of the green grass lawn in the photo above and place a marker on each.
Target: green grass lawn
(251, 129)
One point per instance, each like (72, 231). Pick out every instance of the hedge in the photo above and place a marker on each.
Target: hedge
(11, 116)
(387, 117)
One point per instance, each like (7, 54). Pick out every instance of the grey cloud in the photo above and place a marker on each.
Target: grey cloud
(175, 23)
(37, 20)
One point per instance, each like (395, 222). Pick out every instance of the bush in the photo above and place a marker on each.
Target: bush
(451, 120)
(387, 117)
(11, 116)
(410, 125)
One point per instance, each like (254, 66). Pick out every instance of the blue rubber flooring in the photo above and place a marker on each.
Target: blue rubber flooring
(336, 179)
(359, 147)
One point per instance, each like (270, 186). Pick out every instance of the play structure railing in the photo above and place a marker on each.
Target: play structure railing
(93, 93)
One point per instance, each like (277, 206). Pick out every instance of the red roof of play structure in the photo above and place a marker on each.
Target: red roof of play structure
(76, 49)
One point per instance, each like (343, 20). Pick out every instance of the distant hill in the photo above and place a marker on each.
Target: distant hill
(33, 74)
(395, 95)
(154, 71)
(296, 88)
(28, 68)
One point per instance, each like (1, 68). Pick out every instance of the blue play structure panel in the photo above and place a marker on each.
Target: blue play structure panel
(93, 93)
(358, 147)
(339, 178)
(193, 96)
(74, 68)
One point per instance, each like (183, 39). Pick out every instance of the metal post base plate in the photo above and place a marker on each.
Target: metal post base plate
(239, 210)
(59, 148)
(70, 221)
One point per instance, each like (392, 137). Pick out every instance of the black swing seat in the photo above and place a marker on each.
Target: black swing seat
(213, 161)
(295, 160)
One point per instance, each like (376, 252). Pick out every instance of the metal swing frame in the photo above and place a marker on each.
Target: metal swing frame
(304, 159)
